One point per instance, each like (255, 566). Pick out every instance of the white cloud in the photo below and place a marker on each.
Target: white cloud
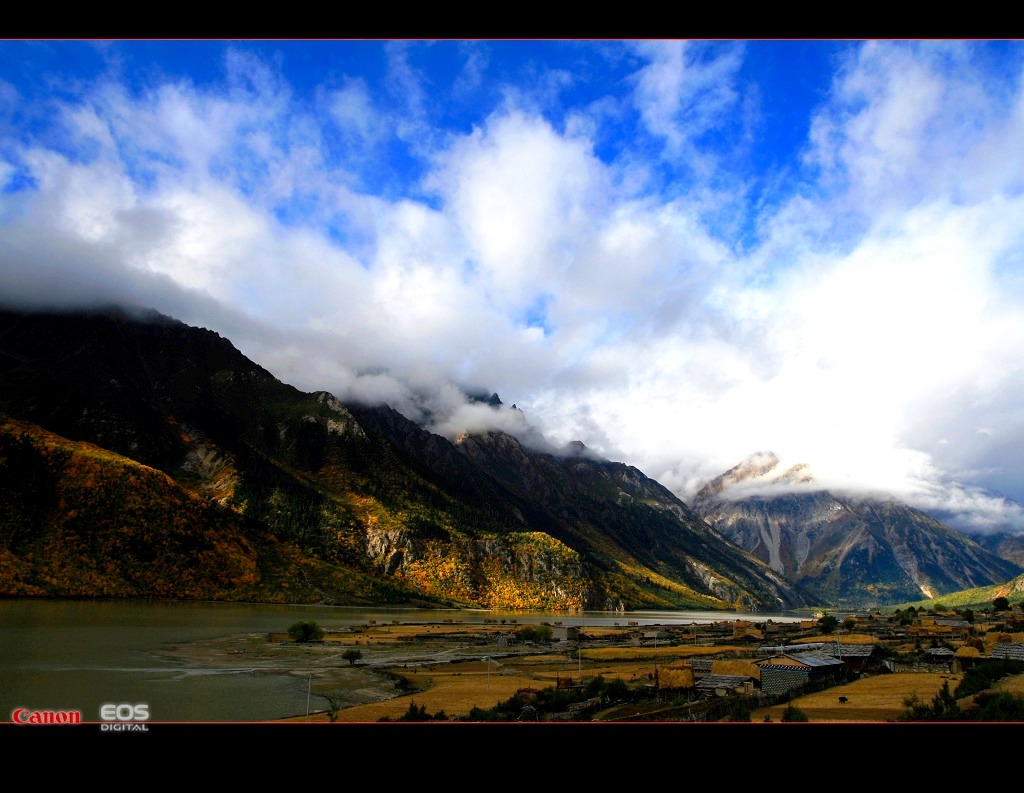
(522, 196)
(352, 108)
(683, 92)
(871, 332)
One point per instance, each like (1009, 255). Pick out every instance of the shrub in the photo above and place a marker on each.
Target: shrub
(420, 714)
(548, 700)
(535, 633)
(998, 706)
(305, 632)
(944, 707)
(740, 711)
(980, 677)
(793, 713)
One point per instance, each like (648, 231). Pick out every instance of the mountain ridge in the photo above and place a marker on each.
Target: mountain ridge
(347, 492)
(843, 548)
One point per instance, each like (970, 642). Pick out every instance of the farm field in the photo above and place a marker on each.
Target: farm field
(1011, 685)
(454, 675)
(877, 698)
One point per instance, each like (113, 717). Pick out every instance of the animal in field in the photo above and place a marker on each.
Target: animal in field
(843, 700)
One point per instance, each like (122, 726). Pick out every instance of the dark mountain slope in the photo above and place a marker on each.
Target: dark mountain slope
(356, 494)
(80, 521)
(1006, 545)
(624, 524)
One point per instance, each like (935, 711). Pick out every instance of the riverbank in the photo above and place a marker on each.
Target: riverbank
(454, 668)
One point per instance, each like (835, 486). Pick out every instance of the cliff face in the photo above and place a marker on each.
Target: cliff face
(640, 541)
(300, 497)
(843, 549)
(1003, 544)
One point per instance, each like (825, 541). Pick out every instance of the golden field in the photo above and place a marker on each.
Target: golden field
(875, 698)
(450, 672)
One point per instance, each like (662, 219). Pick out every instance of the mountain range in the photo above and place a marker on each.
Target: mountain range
(141, 457)
(840, 548)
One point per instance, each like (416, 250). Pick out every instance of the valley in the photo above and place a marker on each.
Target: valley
(456, 672)
(141, 457)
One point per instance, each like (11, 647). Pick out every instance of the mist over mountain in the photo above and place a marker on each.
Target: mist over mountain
(300, 496)
(621, 237)
(842, 547)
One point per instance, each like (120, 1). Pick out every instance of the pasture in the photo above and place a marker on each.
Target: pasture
(870, 699)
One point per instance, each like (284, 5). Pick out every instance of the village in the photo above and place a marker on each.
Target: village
(857, 666)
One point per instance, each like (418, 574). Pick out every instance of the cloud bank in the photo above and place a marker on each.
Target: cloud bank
(675, 252)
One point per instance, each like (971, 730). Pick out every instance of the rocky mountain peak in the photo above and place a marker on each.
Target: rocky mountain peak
(759, 470)
(481, 396)
(838, 547)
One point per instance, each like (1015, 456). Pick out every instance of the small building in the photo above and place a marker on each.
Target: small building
(857, 657)
(781, 649)
(958, 629)
(724, 685)
(966, 658)
(565, 633)
(942, 656)
(936, 628)
(676, 676)
(1008, 651)
(783, 673)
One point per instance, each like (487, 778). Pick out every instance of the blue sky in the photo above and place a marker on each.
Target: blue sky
(678, 252)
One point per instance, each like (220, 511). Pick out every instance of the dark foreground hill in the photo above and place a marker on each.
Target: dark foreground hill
(143, 457)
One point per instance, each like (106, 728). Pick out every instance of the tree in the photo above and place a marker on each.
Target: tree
(535, 633)
(1000, 604)
(305, 632)
(944, 707)
(333, 706)
(415, 714)
(998, 706)
(420, 714)
(740, 711)
(793, 713)
(828, 623)
(945, 704)
(352, 655)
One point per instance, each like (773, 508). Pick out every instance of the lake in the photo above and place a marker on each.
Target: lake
(79, 655)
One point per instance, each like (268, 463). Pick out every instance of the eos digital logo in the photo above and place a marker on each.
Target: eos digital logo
(124, 717)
